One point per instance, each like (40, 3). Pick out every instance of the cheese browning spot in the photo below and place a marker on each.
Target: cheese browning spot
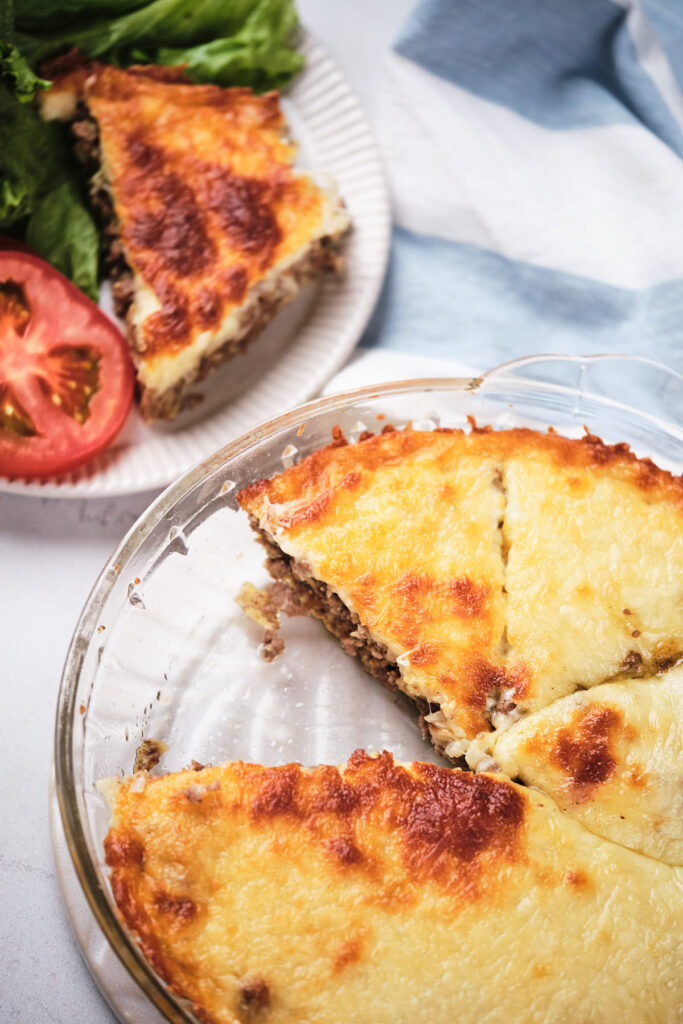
(469, 598)
(577, 879)
(139, 921)
(171, 230)
(181, 910)
(582, 750)
(337, 460)
(276, 792)
(419, 597)
(349, 953)
(425, 654)
(234, 282)
(319, 507)
(633, 662)
(122, 850)
(458, 815)
(254, 997)
(344, 850)
(442, 820)
(636, 776)
(207, 307)
(487, 681)
(244, 209)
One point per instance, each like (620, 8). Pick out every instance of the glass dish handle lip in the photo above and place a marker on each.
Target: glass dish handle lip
(518, 369)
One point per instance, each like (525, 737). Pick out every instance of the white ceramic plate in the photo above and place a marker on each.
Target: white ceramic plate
(305, 343)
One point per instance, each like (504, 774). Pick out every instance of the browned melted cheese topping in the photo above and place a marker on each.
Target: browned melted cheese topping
(338, 466)
(438, 815)
(326, 894)
(339, 885)
(583, 749)
(413, 568)
(401, 828)
(443, 820)
(204, 192)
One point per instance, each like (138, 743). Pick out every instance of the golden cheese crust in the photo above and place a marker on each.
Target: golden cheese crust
(211, 214)
(501, 570)
(204, 193)
(612, 757)
(388, 893)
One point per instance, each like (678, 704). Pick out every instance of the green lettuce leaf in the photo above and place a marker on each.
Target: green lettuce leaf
(61, 229)
(40, 192)
(258, 55)
(46, 15)
(31, 155)
(15, 71)
(242, 42)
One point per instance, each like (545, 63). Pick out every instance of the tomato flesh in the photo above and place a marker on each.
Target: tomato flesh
(66, 379)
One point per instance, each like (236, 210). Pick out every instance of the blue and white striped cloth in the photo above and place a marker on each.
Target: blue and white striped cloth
(535, 156)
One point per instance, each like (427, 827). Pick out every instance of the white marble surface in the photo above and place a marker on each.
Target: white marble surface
(50, 553)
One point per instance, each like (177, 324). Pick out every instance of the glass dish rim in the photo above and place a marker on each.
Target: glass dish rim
(65, 718)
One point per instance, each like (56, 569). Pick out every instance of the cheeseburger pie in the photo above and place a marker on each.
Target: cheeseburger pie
(208, 228)
(526, 591)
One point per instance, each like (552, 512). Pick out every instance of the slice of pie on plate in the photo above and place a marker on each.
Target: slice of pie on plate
(487, 573)
(389, 893)
(209, 229)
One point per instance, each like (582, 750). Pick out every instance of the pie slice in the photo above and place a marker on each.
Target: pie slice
(611, 757)
(486, 574)
(395, 543)
(392, 893)
(209, 229)
(594, 575)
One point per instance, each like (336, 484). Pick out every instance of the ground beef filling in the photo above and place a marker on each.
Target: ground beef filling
(85, 132)
(317, 599)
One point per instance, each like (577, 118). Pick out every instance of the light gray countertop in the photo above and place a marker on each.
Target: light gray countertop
(51, 552)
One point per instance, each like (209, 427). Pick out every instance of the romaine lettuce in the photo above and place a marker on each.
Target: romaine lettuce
(240, 42)
(230, 42)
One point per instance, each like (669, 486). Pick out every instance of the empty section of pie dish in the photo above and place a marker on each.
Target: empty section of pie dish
(163, 651)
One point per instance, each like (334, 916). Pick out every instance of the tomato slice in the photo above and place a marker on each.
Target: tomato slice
(66, 379)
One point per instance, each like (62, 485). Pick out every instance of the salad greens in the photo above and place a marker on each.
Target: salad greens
(40, 191)
(229, 42)
(14, 69)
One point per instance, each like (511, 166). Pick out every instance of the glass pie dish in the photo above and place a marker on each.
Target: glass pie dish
(163, 651)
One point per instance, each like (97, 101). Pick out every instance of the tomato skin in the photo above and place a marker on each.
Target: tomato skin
(64, 366)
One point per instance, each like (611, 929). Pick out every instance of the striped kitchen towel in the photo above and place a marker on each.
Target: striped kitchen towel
(535, 155)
